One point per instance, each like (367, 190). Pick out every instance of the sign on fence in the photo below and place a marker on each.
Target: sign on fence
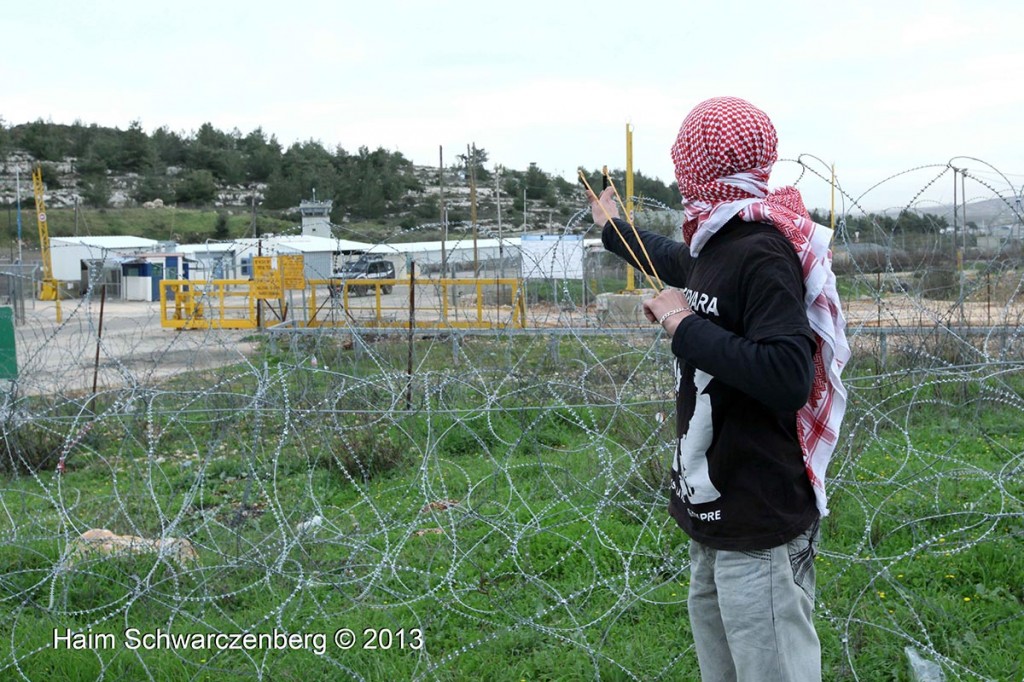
(293, 272)
(266, 280)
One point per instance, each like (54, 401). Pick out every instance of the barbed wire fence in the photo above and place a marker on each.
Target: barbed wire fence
(501, 492)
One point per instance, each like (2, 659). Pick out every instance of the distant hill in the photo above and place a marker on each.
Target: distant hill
(378, 191)
(986, 212)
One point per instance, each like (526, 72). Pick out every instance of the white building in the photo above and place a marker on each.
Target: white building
(551, 256)
(490, 253)
(142, 274)
(459, 254)
(83, 261)
(320, 254)
(212, 260)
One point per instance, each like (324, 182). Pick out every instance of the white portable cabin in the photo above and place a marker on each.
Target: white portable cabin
(141, 275)
(85, 260)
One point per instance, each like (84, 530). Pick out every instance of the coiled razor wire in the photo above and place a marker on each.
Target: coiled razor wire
(506, 498)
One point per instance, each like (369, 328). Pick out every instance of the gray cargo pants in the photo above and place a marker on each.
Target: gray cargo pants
(752, 612)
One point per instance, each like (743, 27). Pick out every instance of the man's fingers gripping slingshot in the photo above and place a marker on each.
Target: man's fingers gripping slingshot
(594, 200)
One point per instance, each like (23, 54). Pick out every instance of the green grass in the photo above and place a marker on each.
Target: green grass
(556, 562)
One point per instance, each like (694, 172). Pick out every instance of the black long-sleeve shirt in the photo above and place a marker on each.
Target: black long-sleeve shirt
(777, 371)
(744, 367)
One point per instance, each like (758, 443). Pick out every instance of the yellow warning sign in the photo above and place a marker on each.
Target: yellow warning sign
(266, 280)
(293, 272)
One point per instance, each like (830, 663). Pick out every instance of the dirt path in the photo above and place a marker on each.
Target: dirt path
(134, 349)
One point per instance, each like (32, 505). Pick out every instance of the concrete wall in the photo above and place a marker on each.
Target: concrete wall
(623, 309)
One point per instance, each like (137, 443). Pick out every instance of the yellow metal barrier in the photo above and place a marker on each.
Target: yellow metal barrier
(231, 304)
(216, 304)
(437, 311)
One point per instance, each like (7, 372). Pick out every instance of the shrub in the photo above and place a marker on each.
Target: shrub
(28, 448)
(363, 453)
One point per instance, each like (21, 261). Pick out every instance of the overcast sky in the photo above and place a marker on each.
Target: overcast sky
(877, 87)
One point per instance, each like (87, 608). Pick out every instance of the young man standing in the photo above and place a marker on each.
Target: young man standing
(759, 341)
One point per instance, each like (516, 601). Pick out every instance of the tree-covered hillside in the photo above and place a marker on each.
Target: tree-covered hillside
(104, 167)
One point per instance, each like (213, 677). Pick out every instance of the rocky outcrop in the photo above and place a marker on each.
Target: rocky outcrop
(66, 192)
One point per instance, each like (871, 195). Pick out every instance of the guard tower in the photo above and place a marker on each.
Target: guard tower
(316, 217)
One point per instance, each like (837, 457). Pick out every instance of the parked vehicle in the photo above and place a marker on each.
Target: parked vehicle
(366, 267)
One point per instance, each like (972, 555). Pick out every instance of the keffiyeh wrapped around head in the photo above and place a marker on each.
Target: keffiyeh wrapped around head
(723, 157)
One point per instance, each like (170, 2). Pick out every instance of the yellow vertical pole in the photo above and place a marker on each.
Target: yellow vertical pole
(521, 305)
(222, 303)
(163, 304)
(444, 299)
(630, 277)
(311, 311)
(479, 302)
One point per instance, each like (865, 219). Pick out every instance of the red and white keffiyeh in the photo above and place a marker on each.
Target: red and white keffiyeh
(723, 156)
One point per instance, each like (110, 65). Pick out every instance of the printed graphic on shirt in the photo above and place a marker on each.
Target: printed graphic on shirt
(691, 463)
(701, 303)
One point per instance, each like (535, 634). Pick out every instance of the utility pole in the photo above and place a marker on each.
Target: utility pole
(524, 210)
(444, 213)
(259, 301)
(17, 181)
(963, 250)
(471, 162)
(832, 211)
(412, 328)
(1020, 221)
(501, 244)
(254, 214)
(963, 203)
(956, 241)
